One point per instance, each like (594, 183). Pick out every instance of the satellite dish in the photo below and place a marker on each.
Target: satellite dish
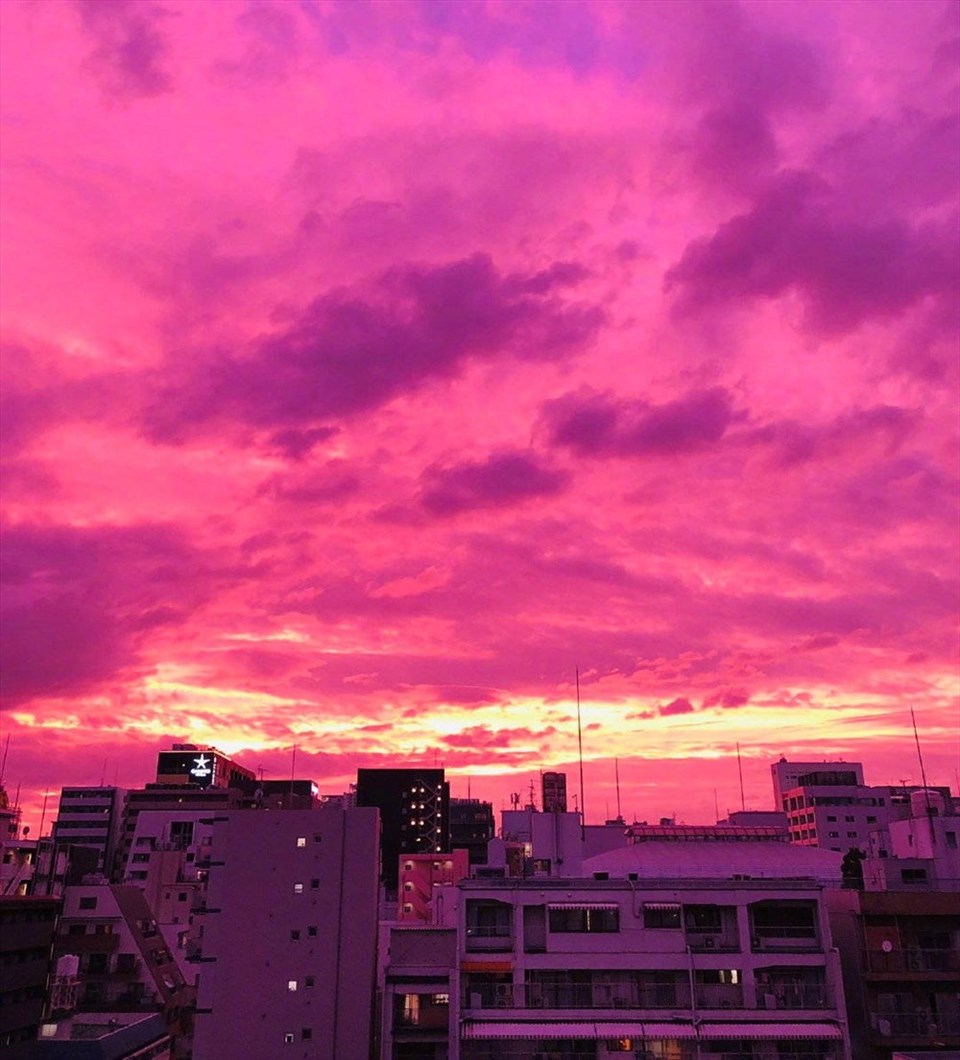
(886, 946)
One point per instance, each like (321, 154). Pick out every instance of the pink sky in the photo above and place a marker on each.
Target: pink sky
(369, 367)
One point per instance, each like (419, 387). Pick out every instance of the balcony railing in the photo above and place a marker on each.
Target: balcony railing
(913, 1024)
(576, 996)
(719, 995)
(489, 939)
(913, 959)
(791, 995)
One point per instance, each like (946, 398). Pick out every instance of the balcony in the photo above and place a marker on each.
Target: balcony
(81, 944)
(491, 939)
(913, 1024)
(912, 959)
(719, 995)
(791, 995)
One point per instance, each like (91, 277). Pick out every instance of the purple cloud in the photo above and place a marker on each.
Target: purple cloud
(502, 480)
(77, 600)
(128, 49)
(847, 271)
(603, 425)
(353, 352)
(677, 706)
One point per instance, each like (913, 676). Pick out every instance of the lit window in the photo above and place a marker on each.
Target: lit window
(288, 1038)
(298, 888)
(291, 985)
(301, 840)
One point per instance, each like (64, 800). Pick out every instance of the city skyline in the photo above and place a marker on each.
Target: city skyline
(371, 373)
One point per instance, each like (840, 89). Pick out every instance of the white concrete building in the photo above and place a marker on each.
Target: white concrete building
(672, 950)
(288, 960)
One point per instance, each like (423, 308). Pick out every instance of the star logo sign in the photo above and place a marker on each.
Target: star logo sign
(201, 767)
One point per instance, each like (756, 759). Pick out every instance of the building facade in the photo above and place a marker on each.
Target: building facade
(289, 936)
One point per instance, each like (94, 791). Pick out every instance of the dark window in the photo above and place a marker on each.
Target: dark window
(88, 903)
(584, 919)
(661, 915)
(306, 1033)
(295, 935)
(312, 931)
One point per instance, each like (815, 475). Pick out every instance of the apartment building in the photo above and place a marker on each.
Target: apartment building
(668, 950)
(289, 936)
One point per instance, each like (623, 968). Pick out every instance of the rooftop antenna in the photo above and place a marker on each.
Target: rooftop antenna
(923, 775)
(583, 818)
(743, 804)
(616, 774)
(716, 805)
(3, 762)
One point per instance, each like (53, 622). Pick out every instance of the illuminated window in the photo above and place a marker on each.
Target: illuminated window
(301, 840)
(298, 888)
(288, 1038)
(291, 985)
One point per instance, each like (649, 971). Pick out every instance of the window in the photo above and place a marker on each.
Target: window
(301, 841)
(292, 985)
(309, 981)
(314, 884)
(952, 840)
(833, 835)
(831, 817)
(312, 931)
(288, 1038)
(661, 915)
(298, 888)
(295, 935)
(851, 835)
(871, 820)
(88, 903)
(849, 818)
(306, 1033)
(590, 919)
(913, 875)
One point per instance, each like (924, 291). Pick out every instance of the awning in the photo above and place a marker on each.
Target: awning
(663, 906)
(582, 905)
(592, 1031)
(770, 1030)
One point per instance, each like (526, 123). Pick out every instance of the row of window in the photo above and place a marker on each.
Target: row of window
(295, 933)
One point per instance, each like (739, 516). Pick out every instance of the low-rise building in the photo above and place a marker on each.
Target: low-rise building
(669, 949)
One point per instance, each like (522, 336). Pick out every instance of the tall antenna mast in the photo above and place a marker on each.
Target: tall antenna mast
(3, 763)
(743, 804)
(616, 774)
(583, 816)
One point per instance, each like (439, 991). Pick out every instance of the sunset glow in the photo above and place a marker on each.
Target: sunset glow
(369, 369)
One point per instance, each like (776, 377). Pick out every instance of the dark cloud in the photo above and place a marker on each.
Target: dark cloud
(335, 481)
(76, 602)
(351, 352)
(603, 425)
(129, 49)
(677, 706)
(502, 480)
(882, 426)
(295, 443)
(481, 736)
(847, 271)
(728, 699)
(733, 60)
